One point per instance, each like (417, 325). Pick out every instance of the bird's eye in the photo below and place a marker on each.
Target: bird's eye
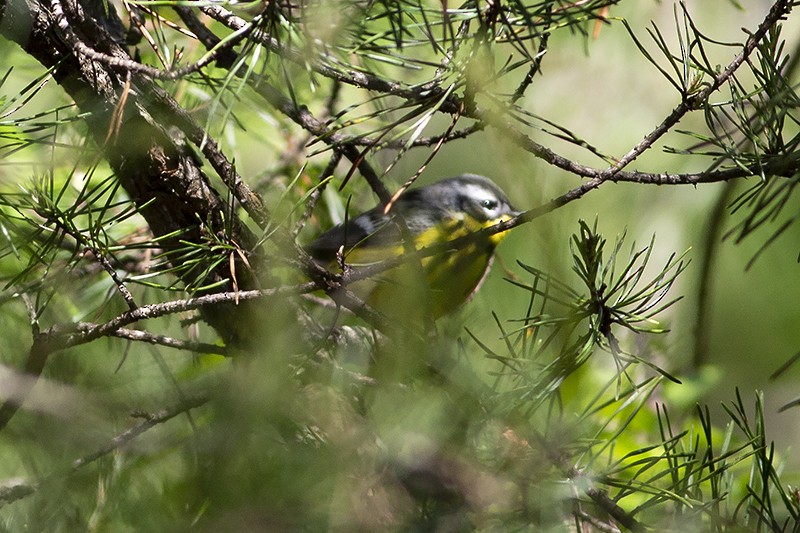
(490, 205)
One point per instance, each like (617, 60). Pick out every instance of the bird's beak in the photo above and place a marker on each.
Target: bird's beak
(497, 237)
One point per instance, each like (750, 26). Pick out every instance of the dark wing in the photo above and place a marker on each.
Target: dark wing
(371, 228)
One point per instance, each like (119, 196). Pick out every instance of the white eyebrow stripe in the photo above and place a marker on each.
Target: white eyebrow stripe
(477, 192)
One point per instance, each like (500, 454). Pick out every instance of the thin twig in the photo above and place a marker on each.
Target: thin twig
(84, 332)
(350, 77)
(58, 338)
(129, 65)
(109, 268)
(535, 67)
(21, 490)
(602, 500)
(596, 524)
(304, 118)
(316, 194)
(779, 10)
(226, 56)
(299, 114)
(421, 142)
(423, 166)
(151, 420)
(170, 342)
(453, 104)
(87, 246)
(598, 496)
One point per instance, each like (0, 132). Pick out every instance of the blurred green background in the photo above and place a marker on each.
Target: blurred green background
(608, 95)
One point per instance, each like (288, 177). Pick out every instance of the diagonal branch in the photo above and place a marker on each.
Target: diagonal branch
(778, 11)
(169, 342)
(453, 104)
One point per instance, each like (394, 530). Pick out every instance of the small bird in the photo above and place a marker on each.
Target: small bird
(426, 216)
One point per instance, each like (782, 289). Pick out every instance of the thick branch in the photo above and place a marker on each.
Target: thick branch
(82, 42)
(154, 165)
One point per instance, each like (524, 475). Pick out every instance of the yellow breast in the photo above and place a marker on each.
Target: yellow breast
(431, 286)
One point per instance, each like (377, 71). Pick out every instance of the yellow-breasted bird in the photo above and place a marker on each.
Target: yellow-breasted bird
(437, 213)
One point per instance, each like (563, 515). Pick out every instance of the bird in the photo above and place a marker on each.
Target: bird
(433, 285)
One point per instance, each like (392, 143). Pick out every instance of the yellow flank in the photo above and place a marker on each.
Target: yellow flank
(434, 285)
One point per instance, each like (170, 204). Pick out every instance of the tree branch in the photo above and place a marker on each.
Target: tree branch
(151, 420)
(128, 65)
(453, 105)
(169, 342)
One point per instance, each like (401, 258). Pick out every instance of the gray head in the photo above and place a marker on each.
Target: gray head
(475, 195)
(421, 208)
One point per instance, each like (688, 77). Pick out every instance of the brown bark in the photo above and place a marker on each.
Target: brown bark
(148, 154)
